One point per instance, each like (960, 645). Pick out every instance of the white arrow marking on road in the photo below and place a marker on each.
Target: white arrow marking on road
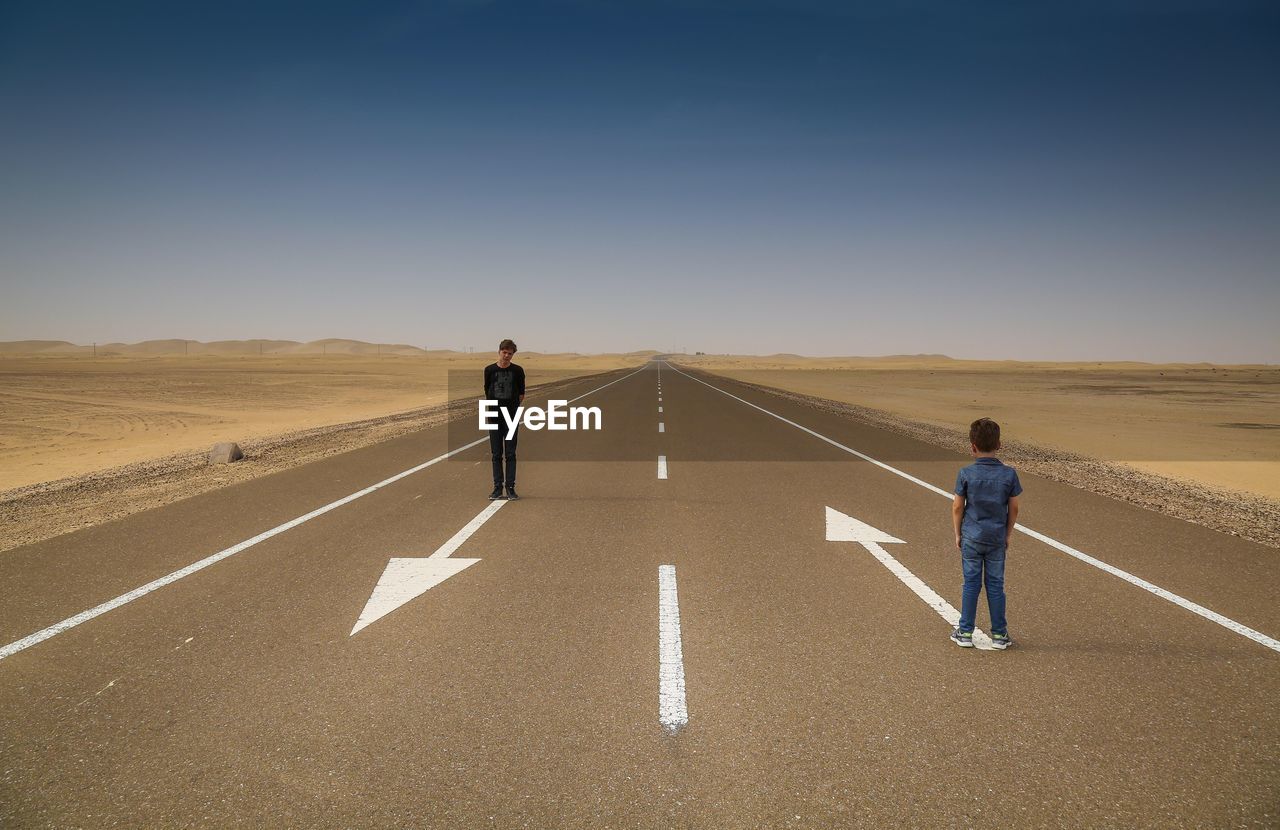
(844, 528)
(1195, 608)
(409, 578)
(156, 584)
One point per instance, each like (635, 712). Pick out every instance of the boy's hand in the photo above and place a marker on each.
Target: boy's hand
(957, 517)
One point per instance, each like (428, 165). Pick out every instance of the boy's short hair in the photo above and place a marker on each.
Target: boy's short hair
(984, 434)
(508, 344)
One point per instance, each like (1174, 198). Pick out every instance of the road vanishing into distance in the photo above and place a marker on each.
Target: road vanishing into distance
(723, 609)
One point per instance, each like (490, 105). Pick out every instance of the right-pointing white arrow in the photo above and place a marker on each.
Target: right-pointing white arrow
(845, 528)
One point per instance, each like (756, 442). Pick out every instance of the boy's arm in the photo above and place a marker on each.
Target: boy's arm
(957, 516)
(1013, 519)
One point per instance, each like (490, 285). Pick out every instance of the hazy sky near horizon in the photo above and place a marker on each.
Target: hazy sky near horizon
(1073, 181)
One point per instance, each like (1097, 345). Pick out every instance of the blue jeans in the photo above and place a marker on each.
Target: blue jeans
(982, 564)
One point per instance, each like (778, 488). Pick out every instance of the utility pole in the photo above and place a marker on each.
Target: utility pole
(95, 349)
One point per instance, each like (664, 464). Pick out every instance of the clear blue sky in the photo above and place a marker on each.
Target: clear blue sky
(1097, 180)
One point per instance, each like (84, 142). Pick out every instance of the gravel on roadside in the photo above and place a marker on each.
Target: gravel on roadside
(1245, 515)
(41, 511)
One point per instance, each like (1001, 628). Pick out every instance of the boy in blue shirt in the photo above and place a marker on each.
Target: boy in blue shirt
(983, 514)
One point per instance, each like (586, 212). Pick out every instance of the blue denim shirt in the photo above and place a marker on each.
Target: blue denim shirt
(986, 485)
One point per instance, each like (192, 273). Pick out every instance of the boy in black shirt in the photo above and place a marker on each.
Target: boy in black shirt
(504, 383)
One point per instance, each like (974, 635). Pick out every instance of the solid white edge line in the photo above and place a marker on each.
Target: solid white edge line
(673, 713)
(84, 616)
(1212, 616)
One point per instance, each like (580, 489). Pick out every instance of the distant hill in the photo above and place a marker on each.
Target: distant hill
(335, 345)
(913, 357)
(230, 348)
(40, 347)
(172, 347)
(155, 347)
(243, 347)
(916, 357)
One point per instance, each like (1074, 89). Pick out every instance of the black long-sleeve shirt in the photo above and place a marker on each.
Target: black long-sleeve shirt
(506, 386)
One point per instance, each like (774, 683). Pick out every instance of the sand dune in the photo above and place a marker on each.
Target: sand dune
(188, 348)
(41, 347)
(332, 346)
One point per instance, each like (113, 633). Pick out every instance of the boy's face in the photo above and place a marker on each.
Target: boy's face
(505, 355)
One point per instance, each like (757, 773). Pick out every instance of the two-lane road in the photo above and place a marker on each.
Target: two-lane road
(528, 688)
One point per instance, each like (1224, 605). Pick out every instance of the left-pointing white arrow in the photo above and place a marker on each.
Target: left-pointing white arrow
(408, 578)
(842, 527)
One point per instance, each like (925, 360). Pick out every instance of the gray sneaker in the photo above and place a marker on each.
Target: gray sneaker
(1001, 641)
(964, 639)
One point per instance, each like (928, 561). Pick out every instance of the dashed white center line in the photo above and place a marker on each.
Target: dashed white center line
(673, 712)
(659, 410)
(662, 466)
(662, 427)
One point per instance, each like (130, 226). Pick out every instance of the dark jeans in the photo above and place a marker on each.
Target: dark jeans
(983, 564)
(499, 448)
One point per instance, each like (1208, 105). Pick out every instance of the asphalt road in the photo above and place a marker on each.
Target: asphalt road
(524, 690)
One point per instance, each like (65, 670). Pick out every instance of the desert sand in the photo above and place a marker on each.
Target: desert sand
(87, 438)
(64, 412)
(1216, 425)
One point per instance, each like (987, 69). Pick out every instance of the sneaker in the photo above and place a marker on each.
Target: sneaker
(496, 494)
(1000, 641)
(512, 495)
(964, 639)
